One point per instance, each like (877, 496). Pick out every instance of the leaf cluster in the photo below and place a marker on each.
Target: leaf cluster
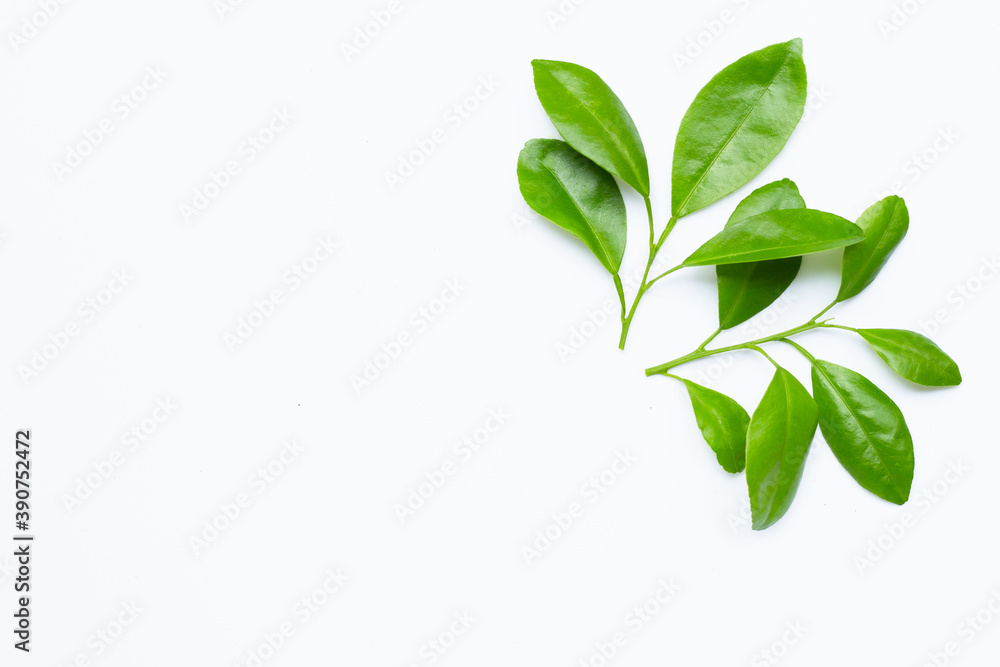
(736, 125)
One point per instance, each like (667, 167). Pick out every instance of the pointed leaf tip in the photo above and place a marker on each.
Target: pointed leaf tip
(592, 119)
(737, 124)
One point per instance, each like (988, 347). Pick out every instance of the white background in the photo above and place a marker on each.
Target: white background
(879, 98)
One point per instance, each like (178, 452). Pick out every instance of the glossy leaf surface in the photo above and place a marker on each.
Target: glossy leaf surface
(723, 423)
(885, 224)
(778, 439)
(865, 430)
(572, 191)
(746, 289)
(914, 356)
(737, 124)
(775, 235)
(592, 119)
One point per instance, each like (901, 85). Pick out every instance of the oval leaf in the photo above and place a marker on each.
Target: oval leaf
(885, 224)
(723, 423)
(778, 439)
(914, 356)
(592, 119)
(777, 234)
(576, 194)
(865, 430)
(737, 124)
(776, 196)
(748, 288)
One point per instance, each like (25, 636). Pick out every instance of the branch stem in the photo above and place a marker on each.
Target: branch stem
(654, 248)
(701, 352)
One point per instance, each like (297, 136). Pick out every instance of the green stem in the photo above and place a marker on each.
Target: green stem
(709, 339)
(621, 294)
(664, 274)
(654, 248)
(750, 345)
(804, 351)
(701, 352)
(626, 323)
(824, 311)
(649, 216)
(837, 326)
(766, 355)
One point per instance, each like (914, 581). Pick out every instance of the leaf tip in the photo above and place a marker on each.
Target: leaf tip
(902, 497)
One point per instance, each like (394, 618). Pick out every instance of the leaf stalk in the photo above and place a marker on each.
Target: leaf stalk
(654, 249)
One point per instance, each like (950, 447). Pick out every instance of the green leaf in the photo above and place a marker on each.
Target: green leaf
(865, 430)
(748, 288)
(778, 439)
(737, 124)
(576, 194)
(723, 423)
(777, 234)
(914, 356)
(776, 196)
(592, 119)
(885, 224)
